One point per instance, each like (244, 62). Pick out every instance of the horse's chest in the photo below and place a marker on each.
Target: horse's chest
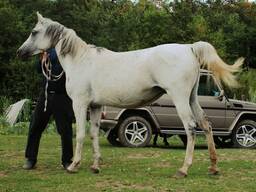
(75, 86)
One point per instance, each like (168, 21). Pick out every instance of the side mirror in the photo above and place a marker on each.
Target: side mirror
(221, 95)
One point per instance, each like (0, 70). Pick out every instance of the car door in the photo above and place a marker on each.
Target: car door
(214, 107)
(208, 92)
(166, 113)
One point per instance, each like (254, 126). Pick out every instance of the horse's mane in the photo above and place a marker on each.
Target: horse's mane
(70, 40)
(54, 31)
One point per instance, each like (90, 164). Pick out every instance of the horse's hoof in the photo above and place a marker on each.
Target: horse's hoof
(72, 169)
(212, 171)
(179, 175)
(95, 170)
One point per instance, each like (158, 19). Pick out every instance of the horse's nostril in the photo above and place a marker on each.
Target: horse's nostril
(20, 52)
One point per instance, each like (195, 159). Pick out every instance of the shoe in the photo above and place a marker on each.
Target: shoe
(28, 165)
(66, 165)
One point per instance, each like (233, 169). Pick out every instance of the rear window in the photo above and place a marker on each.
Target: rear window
(207, 86)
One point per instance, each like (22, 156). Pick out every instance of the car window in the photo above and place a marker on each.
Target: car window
(207, 86)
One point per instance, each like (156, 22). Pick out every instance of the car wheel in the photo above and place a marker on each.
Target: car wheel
(113, 138)
(223, 141)
(244, 134)
(134, 131)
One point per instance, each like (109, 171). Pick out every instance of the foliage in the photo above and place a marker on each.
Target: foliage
(22, 125)
(5, 102)
(4, 126)
(123, 25)
(22, 128)
(21, 80)
(248, 92)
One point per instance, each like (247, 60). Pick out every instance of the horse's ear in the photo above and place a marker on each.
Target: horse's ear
(39, 16)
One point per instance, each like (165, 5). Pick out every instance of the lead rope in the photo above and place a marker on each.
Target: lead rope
(47, 65)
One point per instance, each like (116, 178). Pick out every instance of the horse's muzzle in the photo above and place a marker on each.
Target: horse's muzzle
(22, 54)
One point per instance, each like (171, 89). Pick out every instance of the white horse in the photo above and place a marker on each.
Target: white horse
(97, 76)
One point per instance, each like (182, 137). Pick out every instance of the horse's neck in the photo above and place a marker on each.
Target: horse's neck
(71, 58)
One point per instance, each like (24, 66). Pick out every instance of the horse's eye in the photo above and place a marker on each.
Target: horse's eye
(34, 33)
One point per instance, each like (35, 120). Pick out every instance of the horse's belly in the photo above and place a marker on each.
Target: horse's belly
(131, 99)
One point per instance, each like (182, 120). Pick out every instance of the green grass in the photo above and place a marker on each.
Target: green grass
(124, 169)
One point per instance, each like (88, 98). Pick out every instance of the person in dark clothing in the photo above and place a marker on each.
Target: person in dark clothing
(53, 100)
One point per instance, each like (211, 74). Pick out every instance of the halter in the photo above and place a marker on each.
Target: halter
(46, 66)
(47, 72)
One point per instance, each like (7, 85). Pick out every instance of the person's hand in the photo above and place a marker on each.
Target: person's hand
(44, 56)
(41, 55)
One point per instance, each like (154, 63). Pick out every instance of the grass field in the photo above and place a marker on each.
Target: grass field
(124, 169)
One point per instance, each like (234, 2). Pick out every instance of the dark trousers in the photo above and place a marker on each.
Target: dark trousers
(60, 106)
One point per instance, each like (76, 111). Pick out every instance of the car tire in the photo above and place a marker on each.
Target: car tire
(113, 138)
(244, 134)
(134, 131)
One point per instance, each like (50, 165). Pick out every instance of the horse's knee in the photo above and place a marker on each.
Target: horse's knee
(94, 131)
(191, 128)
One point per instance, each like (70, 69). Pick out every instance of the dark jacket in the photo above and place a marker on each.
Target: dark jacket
(57, 87)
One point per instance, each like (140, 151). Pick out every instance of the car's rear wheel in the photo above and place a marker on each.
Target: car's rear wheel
(134, 131)
(223, 141)
(244, 134)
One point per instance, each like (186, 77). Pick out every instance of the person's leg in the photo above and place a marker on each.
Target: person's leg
(155, 139)
(63, 115)
(37, 125)
(165, 140)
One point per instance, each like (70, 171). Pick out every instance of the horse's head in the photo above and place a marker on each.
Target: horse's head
(44, 35)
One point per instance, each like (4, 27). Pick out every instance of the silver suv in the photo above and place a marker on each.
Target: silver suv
(233, 121)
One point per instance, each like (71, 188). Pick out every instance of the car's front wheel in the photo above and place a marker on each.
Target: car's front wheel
(244, 134)
(134, 131)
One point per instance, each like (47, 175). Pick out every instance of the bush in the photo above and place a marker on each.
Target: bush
(247, 90)
(5, 102)
(4, 126)
(22, 127)
(23, 120)
(19, 128)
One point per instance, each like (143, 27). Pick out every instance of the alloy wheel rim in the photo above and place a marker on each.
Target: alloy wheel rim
(136, 133)
(246, 135)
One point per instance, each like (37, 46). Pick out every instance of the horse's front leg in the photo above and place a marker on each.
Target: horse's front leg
(95, 115)
(80, 110)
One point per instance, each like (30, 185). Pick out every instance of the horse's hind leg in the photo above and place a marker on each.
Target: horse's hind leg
(186, 115)
(80, 109)
(205, 125)
(95, 115)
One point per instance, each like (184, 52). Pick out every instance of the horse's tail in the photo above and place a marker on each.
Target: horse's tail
(207, 56)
